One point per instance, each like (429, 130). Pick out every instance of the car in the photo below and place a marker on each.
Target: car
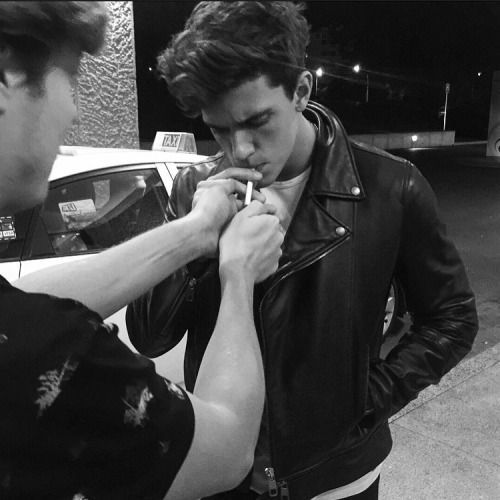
(97, 198)
(395, 310)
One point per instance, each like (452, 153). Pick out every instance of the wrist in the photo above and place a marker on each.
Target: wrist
(232, 272)
(207, 237)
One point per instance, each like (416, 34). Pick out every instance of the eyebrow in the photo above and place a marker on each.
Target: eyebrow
(246, 121)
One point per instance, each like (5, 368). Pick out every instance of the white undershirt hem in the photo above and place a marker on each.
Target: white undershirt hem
(354, 488)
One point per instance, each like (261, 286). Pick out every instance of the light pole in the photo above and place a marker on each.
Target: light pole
(446, 92)
(357, 68)
(319, 74)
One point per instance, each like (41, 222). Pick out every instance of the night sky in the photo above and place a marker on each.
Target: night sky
(410, 49)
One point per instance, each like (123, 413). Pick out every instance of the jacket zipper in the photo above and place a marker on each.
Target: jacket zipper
(281, 487)
(186, 293)
(275, 487)
(190, 290)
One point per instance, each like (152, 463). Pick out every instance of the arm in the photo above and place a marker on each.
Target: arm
(131, 431)
(157, 320)
(229, 392)
(110, 280)
(440, 301)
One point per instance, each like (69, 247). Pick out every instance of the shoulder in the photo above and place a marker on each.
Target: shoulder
(371, 155)
(36, 323)
(391, 174)
(186, 182)
(188, 177)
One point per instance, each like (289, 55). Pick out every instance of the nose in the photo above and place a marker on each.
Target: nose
(242, 145)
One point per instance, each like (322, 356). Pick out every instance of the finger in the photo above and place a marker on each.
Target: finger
(258, 208)
(257, 195)
(241, 174)
(239, 205)
(229, 186)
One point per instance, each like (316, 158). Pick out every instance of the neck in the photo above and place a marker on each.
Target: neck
(300, 159)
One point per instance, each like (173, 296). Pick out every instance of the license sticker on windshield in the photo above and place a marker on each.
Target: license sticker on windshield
(78, 214)
(7, 228)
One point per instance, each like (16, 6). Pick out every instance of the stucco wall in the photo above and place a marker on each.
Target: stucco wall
(106, 94)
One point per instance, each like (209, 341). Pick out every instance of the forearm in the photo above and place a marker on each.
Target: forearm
(231, 374)
(108, 281)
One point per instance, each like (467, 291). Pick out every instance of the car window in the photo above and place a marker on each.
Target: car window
(13, 230)
(97, 212)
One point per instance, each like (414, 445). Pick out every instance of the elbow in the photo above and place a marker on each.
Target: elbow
(239, 470)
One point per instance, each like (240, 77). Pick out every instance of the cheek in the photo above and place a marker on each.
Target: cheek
(279, 140)
(62, 111)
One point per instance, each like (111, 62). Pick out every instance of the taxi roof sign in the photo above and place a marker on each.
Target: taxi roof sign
(179, 142)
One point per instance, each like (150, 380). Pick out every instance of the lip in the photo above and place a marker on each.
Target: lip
(259, 167)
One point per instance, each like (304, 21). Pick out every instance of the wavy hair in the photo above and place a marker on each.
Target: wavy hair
(225, 44)
(33, 30)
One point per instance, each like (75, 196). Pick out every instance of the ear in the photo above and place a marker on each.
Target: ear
(4, 92)
(3, 79)
(303, 90)
(10, 77)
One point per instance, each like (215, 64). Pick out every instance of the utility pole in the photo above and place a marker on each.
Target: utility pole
(446, 92)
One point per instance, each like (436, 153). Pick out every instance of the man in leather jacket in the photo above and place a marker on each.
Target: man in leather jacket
(354, 216)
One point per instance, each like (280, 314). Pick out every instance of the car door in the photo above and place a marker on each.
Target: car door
(87, 213)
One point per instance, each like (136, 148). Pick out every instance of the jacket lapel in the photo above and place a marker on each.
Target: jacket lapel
(317, 225)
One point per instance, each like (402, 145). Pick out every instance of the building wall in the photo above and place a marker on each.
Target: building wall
(106, 93)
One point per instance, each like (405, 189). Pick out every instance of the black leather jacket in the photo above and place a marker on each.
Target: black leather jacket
(364, 216)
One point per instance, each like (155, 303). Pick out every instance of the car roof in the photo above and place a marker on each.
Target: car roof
(77, 160)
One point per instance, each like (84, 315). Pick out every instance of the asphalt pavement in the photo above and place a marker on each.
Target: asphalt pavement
(447, 442)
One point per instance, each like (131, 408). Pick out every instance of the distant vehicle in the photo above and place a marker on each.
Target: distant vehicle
(97, 198)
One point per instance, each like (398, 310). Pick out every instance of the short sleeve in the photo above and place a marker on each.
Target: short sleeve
(84, 417)
(129, 428)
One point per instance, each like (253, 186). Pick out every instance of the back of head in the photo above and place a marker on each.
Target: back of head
(31, 31)
(225, 44)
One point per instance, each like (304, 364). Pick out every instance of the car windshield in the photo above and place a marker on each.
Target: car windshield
(100, 211)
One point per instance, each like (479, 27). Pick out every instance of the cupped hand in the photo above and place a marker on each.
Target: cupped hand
(217, 200)
(251, 243)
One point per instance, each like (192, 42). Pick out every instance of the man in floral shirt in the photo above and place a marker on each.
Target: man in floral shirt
(81, 415)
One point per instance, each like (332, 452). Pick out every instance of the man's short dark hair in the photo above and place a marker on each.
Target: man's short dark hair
(225, 44)
(34, 30)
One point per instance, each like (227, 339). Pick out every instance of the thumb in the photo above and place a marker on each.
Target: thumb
(258, 208)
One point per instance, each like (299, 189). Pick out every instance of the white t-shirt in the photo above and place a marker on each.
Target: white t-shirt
(285, 196)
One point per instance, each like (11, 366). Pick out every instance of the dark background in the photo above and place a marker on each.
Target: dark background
(408, 50)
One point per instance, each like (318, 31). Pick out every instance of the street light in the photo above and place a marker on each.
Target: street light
(319, 74)
(446, 92)
(357, 68)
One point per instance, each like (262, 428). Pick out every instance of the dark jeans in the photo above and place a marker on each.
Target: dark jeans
(369, 494)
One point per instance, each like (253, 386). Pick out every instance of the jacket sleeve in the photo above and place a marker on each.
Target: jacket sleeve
(440, 301)
(158, 320)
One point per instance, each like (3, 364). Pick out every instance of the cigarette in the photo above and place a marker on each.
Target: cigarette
(248, 193)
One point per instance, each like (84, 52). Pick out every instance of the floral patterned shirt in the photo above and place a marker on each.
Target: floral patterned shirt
(81, 415)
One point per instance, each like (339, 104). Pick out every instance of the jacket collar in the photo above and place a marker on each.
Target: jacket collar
(334, 171)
